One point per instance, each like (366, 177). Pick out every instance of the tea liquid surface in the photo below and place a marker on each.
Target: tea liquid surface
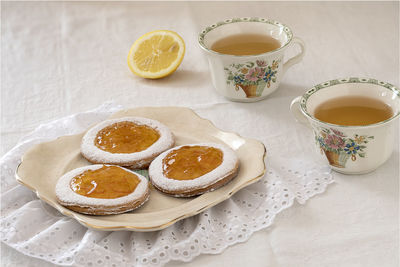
(245, 44)
(353, 111)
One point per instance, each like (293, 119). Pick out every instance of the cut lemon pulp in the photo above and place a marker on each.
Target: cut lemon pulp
(156, 54)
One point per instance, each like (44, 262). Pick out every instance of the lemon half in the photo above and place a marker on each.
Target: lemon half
(156, 54)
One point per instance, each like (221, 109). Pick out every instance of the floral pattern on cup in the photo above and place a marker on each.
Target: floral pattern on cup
(252, 77)
(339, 148)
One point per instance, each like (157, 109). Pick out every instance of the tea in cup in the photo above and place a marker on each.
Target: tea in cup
(245, 56)
(353, 121)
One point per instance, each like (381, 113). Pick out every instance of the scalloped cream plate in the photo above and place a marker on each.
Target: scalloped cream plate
(44, 163)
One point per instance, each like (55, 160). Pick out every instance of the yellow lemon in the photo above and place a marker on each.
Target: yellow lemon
(156, 54)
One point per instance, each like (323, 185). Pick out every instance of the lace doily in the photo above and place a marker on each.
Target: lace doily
(38, 230)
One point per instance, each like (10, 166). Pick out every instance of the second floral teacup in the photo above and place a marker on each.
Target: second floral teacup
(248, 78)
(348, 148)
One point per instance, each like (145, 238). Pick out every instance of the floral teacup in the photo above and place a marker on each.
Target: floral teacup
(248, 78)
(350, 149)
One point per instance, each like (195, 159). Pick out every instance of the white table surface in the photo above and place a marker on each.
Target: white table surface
(62, 58)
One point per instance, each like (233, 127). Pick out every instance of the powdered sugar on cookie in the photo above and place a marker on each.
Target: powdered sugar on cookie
(133, 160)
(67, 197)
(228, 167)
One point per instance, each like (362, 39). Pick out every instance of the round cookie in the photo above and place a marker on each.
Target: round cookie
(102, 190)
(130, 142)
(194, 169)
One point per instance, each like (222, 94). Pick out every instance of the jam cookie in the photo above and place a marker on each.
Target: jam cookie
(130, 142)
(194, 169)
(102, 190)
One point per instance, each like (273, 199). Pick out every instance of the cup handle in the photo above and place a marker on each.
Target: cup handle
(296, 112)
(296, 59)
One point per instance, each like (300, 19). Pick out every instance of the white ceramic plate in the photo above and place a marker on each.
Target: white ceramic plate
(44, 163)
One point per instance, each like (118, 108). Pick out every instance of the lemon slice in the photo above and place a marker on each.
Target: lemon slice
(156, 54)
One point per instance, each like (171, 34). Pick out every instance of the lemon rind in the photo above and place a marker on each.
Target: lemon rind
(164, 72)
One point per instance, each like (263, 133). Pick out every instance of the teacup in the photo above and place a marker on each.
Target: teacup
(350, 149)
(248, 78)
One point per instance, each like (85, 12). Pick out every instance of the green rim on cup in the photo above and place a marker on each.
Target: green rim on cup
(203, 33)
(350, 80)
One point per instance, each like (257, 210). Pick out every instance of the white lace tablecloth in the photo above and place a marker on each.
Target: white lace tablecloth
(38, 230)
(63, 58)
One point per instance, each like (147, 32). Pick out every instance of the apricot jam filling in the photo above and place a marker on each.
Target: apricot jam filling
(106, 182)
(190, 162)
(126, 137)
